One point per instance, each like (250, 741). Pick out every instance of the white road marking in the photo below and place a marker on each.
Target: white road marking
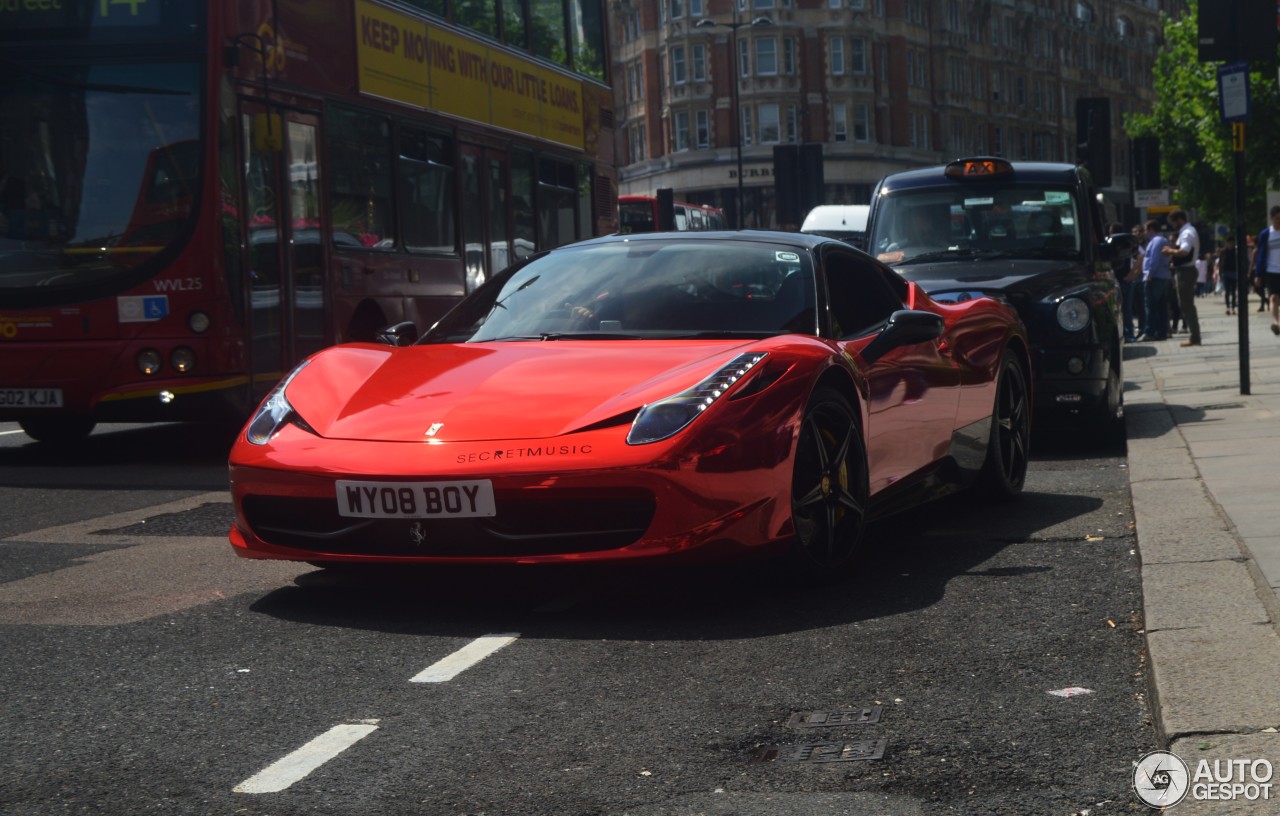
(6, 433)
(289, 769)
(450, 667)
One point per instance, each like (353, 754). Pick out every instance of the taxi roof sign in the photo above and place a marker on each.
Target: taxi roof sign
(978, 168)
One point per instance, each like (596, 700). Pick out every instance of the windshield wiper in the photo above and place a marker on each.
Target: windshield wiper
(561, 336)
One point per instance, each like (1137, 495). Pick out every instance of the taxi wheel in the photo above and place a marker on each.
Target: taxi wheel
(829, 486)
(1109, 415)
(57, 430)
(1005, 471)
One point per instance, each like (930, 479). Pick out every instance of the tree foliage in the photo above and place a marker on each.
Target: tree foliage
(1196, 155)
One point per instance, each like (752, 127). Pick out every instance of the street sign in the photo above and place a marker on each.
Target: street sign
(1150, 198)
(1233, 91)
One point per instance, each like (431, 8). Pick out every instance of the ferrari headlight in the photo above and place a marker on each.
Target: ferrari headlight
(1073, 314)
(667, 417)
(275, 412)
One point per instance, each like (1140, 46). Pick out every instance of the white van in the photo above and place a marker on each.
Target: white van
(848, 222)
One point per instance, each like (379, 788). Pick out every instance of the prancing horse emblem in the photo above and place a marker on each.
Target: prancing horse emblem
(434, 429)
(418, 534)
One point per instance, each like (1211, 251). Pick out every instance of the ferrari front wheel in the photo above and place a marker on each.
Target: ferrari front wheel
(829, 486)
(1005, 470)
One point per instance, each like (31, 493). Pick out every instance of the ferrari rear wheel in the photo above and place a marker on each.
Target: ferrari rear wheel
(1005, 470)
(829, 486)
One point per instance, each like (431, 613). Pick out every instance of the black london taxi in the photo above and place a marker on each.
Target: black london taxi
(1032, 235)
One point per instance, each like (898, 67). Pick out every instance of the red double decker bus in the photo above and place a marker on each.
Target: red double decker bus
(198, 194)
(640, 213)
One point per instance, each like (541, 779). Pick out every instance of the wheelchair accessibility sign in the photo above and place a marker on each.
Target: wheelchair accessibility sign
(142, 308)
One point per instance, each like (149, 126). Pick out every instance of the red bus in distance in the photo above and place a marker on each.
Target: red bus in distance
(639, 213)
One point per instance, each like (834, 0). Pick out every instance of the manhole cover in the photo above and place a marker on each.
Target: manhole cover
(834, 719)
(816, 752)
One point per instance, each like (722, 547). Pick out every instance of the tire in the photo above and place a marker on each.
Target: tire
(61, 431)
(829, 486)
(1008, 446)
(1108, 418)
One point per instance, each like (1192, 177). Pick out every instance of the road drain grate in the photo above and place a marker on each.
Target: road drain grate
(834, 719)
(822, 752)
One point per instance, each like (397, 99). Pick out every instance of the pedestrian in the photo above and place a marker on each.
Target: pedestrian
(1202, 274)
(1156, 276)
(1183, 255)
(1266, 265)
(1122, 267)
(1226, 268)
(1134, 296)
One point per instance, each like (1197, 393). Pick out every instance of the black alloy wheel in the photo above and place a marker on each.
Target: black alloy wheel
(1008, 450)
(829, 487)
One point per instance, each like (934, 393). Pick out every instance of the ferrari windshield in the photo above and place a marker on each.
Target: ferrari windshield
(977, 220)
(100, 167)
(634, 289)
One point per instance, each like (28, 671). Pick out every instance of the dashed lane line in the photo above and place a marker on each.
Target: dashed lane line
(447, 668)
(287, 770)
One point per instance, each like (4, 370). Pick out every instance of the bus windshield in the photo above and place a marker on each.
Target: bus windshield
(99, 170)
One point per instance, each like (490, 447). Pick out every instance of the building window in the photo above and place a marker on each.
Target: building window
(840, 122)
(744, 62)
(837, 56)
(861, 123)
(699, 63)
(677, 65)
(858, 55)
(770, 132)
(767, 56)
(695, 8)
(788, 56)
(748, 133)
(703, 130)
(793, 124)
(680, 131)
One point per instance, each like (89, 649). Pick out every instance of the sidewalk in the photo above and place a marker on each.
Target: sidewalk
(1204, 469)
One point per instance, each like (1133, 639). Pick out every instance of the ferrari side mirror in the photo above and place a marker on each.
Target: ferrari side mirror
(401, 334)
(905, 327)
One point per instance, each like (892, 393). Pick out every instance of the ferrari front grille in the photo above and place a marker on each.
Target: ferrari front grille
(523, 527)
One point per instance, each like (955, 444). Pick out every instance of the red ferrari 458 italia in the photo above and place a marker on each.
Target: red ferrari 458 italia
(641, 397)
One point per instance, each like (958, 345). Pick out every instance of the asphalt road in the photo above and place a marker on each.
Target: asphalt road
(988, 658)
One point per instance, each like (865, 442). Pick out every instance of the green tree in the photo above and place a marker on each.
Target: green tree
(1196, 154)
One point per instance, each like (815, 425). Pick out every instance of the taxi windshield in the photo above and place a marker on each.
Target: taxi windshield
(99, 167)
(978, 220)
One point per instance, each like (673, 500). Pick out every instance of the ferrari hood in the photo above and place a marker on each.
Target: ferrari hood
(1019, 280)
(493, 391)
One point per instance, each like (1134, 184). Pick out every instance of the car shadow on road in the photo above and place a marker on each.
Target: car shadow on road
(906, 565)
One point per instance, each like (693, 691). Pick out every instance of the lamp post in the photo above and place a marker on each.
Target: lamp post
(736, 72)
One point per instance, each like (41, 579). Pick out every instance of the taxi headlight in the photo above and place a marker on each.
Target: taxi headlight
(667, 417)
(1073, 314)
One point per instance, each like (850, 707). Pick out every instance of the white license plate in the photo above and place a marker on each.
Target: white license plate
(30, 397)
(416, 499)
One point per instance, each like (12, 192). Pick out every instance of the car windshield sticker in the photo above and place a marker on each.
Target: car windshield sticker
(786, 257)
(1057, 198)
(979, 202)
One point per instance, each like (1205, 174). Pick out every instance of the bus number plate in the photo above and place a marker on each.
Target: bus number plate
(30, 397)
(415, 499)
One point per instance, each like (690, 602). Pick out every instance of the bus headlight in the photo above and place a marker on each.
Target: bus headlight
(149, 361)
(182, 359)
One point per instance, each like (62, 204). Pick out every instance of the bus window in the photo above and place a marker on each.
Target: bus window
(360, 178)
(425, 174)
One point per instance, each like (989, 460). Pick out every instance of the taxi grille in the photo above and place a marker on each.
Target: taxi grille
(524, 527)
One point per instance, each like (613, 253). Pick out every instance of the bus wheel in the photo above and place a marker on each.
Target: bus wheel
(57, 430)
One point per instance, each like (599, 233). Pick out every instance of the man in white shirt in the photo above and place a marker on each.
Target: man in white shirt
(1183, 256)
